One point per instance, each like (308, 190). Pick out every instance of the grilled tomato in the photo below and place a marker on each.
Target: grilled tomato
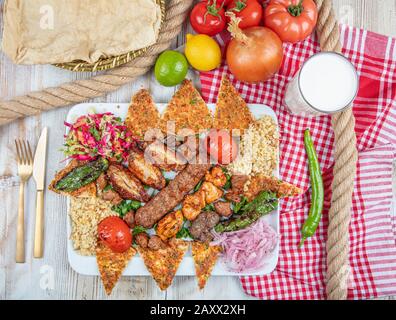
(115, 233)
(221, 146)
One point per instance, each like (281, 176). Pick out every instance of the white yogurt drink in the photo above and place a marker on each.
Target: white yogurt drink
(327, 83)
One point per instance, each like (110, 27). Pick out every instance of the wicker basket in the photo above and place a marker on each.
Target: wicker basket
(109, 62)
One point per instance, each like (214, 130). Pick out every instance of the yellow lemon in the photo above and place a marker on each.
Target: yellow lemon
(202, 52)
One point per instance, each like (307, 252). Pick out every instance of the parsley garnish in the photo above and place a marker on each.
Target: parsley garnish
(138, 229)
(125, 206)
(183, 233)
(209, 207)
(239, 205)
(108, 188)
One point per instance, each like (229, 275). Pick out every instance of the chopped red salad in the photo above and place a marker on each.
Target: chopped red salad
(96, 135)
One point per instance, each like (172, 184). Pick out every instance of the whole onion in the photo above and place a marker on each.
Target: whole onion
(254, 54)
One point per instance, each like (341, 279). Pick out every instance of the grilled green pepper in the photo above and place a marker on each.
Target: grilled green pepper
(259, 202)
(263, 204)
(82, 176)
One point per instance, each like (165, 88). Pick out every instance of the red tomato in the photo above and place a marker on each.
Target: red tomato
(221, 146)
(208, 17)
(223, 3)
(292, 20)
(115, 233)
(250, 12)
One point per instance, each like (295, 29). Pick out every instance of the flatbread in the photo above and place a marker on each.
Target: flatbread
(142, 114)
(111, 264)
(205, 257)
(232, 111)
(56, 31)
(188, 110)
(163, 263)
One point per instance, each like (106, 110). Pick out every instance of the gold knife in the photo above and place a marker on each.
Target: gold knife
(39, 166)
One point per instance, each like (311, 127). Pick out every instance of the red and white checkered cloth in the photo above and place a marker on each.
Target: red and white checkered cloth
(300, 273)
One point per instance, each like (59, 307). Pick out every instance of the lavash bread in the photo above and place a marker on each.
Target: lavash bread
(57, 31)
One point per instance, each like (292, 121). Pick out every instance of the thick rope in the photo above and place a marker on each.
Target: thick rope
(344, 171)
(82, 90)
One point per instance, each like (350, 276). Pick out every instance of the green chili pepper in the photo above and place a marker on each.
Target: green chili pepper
(82, 176)
(317, 197)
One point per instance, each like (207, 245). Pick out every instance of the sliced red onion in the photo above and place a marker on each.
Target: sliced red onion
(246, 250)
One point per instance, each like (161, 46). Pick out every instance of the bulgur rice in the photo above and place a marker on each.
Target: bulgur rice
(258, 149)
(85, 215)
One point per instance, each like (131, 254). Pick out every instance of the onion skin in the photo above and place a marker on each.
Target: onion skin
(256, 59)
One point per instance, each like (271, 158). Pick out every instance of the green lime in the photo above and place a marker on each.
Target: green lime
(171, 68)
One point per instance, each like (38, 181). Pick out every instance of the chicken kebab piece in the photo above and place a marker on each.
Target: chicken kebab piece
(209, 192)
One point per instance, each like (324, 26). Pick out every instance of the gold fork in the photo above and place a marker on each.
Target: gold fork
(25, 169)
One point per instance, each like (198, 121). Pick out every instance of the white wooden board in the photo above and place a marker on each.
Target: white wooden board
(87, 265)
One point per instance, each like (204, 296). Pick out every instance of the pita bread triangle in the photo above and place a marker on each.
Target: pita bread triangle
(232, 111)
(142, 114)
(163, 263)
(111, 264)
(205, 258)
(188, 110)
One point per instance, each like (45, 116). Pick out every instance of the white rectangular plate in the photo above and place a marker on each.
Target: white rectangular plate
(87, 265)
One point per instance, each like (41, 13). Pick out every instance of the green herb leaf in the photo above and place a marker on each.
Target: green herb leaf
(239, 205)
(125, 206)
(209, 207)
(138, 229)
(108, 188)
(228, 184)
(184, 233)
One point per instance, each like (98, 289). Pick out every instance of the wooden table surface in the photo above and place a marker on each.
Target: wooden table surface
(52, 277)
